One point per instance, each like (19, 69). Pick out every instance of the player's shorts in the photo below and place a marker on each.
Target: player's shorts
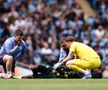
(92, 63)
(1, 59)
(1, 56)
(4, 65)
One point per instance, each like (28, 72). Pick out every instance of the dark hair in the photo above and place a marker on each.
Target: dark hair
(19, 32)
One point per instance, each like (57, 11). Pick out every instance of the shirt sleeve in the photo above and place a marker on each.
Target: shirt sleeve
(23, 52)
(72, 47)
(9, 49)
(62, 54)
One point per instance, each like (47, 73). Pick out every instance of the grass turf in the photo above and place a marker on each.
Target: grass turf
(53, 84)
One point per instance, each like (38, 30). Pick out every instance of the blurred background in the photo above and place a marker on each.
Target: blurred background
(46, 22)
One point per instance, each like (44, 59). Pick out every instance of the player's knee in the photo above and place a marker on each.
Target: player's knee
(8, 58)
(68, 63)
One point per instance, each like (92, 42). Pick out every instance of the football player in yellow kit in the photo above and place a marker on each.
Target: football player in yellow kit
(85, 57)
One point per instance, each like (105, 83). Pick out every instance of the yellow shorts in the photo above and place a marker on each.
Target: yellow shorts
(92, 63)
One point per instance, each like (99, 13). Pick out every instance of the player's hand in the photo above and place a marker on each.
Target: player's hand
(57, 65)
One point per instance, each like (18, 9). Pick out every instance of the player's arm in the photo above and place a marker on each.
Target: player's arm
(69, 57)
(9, 49)
(71, 53)
(62, 55)
(57, 65)
(23, 52)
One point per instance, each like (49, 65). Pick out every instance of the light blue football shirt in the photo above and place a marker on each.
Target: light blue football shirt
(62, 55)
(16, 51)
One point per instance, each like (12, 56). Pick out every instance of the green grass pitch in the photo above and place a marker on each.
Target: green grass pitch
(53, 84)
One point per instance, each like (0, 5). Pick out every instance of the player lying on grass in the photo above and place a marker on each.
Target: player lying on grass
(85, 57)
(14, 48)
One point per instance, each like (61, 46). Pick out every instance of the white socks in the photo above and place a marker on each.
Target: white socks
(0, 74)
(86, 71)
(9, 74)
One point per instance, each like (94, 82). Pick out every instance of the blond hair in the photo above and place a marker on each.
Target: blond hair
(69, 39)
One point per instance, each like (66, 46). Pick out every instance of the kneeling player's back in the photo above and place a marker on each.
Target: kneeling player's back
(83, 51)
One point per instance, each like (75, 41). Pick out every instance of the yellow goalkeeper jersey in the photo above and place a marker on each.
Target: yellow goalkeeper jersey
(82, 51)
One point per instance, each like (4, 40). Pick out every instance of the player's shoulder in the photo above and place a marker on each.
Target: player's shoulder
(74, 43)
(24, 43)
(77, 43)
(9, 39)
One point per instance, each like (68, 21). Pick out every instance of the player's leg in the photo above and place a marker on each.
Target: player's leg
(96, 63)
(13, 68)
(80, 66)
(2, 75)
(7, 59)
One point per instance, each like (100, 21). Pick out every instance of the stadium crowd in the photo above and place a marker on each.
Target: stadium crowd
(46, 22)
